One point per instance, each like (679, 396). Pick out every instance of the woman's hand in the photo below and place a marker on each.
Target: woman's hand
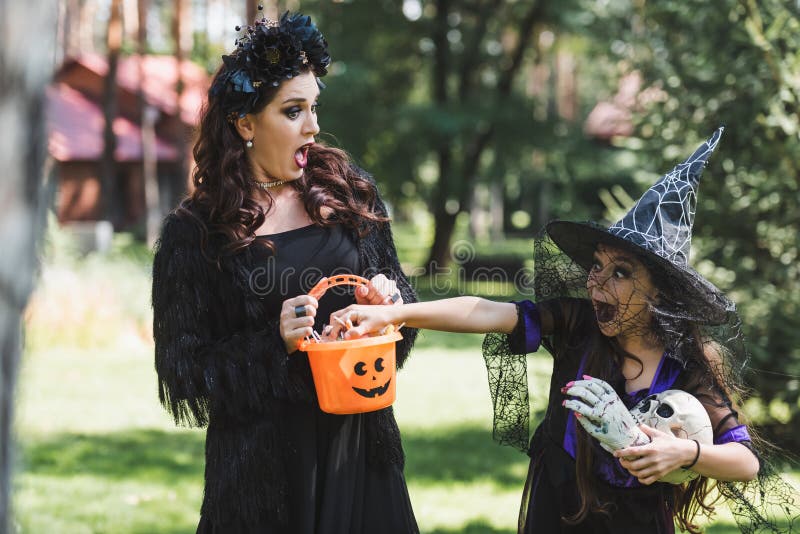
(358, 321)
(380, 290)
(665, 453)
(297, 320)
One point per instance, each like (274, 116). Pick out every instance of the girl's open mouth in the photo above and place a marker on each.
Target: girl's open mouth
(604, 311)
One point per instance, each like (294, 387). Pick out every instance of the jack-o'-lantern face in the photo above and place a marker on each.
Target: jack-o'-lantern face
(371, 376)
(354, 376)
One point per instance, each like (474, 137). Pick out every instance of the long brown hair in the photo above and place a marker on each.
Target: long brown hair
(221, 205)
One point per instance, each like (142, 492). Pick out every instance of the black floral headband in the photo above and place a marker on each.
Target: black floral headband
(269, 53)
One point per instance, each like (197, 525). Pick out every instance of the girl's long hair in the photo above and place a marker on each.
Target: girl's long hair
(332, 190)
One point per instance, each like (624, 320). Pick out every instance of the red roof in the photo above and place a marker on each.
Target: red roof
(75, 127)
(159, 80)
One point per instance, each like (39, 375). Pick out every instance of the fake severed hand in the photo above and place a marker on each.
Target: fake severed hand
(602, 414)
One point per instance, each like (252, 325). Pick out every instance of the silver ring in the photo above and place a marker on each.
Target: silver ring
(300, 311)
(395, 297)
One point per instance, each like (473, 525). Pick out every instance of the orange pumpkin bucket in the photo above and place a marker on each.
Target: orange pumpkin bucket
(356, 375)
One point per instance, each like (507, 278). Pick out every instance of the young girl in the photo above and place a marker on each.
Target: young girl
(619, 304)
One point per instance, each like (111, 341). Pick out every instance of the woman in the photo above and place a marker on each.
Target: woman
(622, 305)
(273, 212)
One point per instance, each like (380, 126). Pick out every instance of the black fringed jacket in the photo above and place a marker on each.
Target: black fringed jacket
(221, 363)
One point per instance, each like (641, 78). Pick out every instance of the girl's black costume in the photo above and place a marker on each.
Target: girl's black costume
(689, 315)
(551, 490)
(274, 461)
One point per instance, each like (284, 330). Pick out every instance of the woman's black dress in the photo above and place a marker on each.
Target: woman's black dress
(332, 489)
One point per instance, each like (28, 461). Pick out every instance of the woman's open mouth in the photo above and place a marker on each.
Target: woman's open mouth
(604, 311)
(301, 156)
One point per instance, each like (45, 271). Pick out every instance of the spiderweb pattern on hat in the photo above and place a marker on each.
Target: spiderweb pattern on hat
(658, 228)
(661, 221)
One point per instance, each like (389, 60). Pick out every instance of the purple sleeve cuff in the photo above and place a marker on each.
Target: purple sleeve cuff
(737, 433)
(529, 313)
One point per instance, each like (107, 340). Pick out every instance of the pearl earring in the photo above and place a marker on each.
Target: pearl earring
(249, 143)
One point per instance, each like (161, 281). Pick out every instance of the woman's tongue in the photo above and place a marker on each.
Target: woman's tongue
(301, 157)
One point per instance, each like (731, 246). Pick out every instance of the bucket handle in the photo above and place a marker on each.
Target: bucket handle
(326, 283)
(339, 280)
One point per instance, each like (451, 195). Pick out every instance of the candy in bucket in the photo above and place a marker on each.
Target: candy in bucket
(356, 375)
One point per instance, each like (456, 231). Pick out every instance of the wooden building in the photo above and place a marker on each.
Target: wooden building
(75, 123)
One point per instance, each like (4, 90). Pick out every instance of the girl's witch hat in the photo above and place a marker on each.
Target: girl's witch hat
(659, 230)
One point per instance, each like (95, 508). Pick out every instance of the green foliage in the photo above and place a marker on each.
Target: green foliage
(380, 103)
(735, 63)
(375, 62)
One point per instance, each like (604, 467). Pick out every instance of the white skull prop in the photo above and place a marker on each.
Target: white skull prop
(677, 412)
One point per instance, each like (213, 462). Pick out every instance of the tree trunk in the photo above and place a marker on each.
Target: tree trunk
(61, 31)
(69, 40)
(152, 196)
(176, 186)
(445, 220)
(497, 204)
(440, 256)
(148, 116)
(566, 86)
(108, 164)
(24, 72)
(545, 202)
(182, 40)
(446, 190)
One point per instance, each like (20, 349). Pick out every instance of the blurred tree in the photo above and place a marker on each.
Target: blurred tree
(69, 29)
(86, 26)
(108, 166)
(426, 83)
(182, 43)
(459, 157)
(251, 10)
(733, 62)
(25, 71)
(437, 98)
(148, 115)
(372, 86)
